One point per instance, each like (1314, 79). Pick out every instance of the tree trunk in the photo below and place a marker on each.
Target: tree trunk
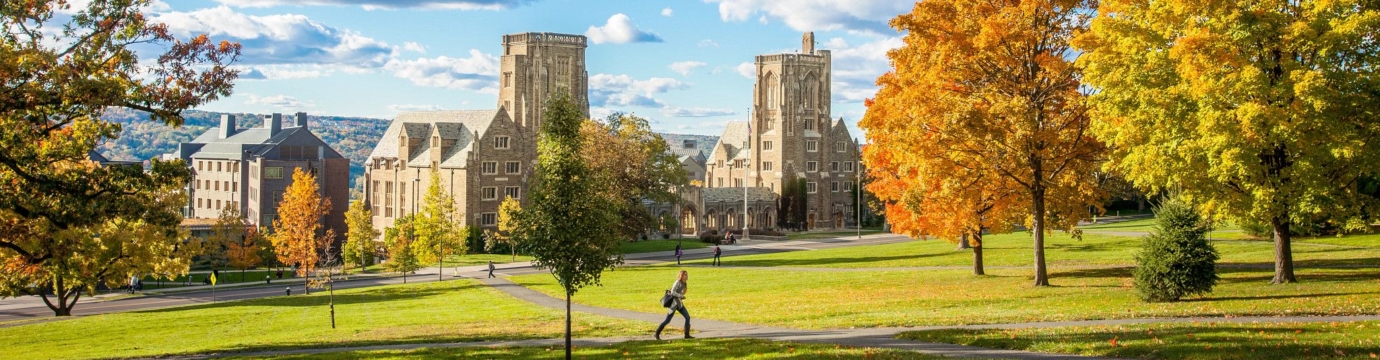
(567, 325)
(331, 290)
(977, 254)
(963, 242)
(1038, 195)
(1284, 256)
(65, 299)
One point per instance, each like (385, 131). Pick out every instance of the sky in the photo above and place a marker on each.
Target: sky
(685, 65)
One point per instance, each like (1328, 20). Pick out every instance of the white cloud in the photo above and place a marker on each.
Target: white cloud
(281, 39)
(478, 72)
(413, 107)
(388, 4)
(708, 43)
(685, 67)
(747, 70)
(869, 16)
(620, 30)
(666, 12)
(414, 47)
(607, 90)
(283, 102)
(856, 68)
(695, 112)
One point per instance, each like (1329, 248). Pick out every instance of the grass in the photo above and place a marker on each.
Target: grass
(1217, 340)
(691, 349)
(1008, 250)
(450, 311)
(483, 259)
(871, 298)
(661, 245)
(829, 235)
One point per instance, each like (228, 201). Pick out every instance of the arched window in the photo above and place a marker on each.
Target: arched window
(773, 90)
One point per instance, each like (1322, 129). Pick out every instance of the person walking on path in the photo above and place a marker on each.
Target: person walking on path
(677, 293)
(678, 253)
(491, 269)
(717, 252)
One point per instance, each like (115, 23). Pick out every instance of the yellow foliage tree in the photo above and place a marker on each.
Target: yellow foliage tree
(1258, 111)
(297, 235)
(983, 113)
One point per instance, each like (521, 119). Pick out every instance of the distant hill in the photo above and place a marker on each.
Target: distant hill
(143, 139)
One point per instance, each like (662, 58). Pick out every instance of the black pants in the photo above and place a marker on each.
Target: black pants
(677, 259)
(716, 260)
(491, 273)
(683, 313)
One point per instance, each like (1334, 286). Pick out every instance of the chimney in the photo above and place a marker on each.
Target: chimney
(302, 120)
(807, 45)
(227, 126)
(274, 124)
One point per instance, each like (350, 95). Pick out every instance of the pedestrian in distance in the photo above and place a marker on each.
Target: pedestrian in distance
(678, 254)
(717, 252)
(677, 294)
(491, 269)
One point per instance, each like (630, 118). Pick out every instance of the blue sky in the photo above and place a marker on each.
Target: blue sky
(674, 62)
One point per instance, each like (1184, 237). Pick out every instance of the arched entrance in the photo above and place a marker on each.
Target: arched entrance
(838, 219)
(688, 223)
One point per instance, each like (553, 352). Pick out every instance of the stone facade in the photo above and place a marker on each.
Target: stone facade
(251, 168)
(481, 156)
(791, 136)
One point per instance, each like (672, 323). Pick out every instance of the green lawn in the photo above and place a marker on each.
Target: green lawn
(661, 245)
(1062, 251)
(460, 310)
(843, 299)
(1254, 341)
(692, 349)
(483, 259)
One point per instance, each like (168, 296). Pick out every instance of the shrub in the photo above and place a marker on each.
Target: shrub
(711, 237)
(665, 236)
(763, 232)
(1175, 260)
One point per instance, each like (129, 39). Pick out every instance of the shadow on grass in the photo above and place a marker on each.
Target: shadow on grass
(721, 348)
(320, 297)
(1186, 342)
(826, 261)
(1238, 274)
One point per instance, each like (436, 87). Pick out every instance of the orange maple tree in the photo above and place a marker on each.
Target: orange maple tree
(297, 237)
(981, 123)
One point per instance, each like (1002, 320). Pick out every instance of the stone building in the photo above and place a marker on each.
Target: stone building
(481, 156)
(791, 136)
(251, 168)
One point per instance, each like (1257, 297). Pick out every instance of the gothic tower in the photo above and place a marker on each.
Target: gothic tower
(535, 65)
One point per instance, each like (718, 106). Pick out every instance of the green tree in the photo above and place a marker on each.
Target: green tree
(228, 230)
(1175, 260)
(507, 221)
(297, 230)
(568, 223)
(60, 69)
(244, 253)
(637, 165)
(1260, 111)
(360, 235)
(441, 230)
(398, 241)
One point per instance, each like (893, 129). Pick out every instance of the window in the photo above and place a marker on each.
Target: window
(217, 185)
(768, 125)
(810, 187)
(834, 166)
(198, 165)
(766, 146)
(253, 172)
(838, 146)
(848, 186)
(235, 185)
(508, 79)
(848, 166)
(766, 166)
(688, 144)
(512, 192)
(721, 182)
(501, 142)
(273, 172)
(375, 201)
(198, 203)
(490, 193)
(812, 146)
(490, 167)
(218, 205)
(388, 199)
(809, 124)
(218, 166)
(737, 182)
(488, 219)
(514, 167)
(739, 163)
(812, 166)
(834, 186)
(277, 197)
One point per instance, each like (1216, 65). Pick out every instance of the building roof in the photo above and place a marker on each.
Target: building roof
(256, 141)
(704, 144)
(460, 126)
(735, 194)
(735, 134)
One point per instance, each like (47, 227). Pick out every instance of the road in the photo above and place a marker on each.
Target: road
(20, 309)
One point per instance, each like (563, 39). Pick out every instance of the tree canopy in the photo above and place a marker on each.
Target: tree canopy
(440, 226)
(636, 164)
(982, 111)
(297, 236)
(360, 234)
(1259, 111)
(60, 68)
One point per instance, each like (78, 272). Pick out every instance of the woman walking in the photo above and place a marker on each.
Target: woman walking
(677, 304)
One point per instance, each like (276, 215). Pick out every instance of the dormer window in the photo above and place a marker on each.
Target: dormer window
(501, 142)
